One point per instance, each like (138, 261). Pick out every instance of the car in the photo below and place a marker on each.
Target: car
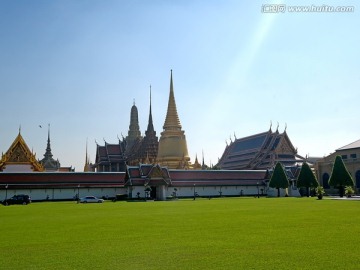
(18, 199)
(91, 199)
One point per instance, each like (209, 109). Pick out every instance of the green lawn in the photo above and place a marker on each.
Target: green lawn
(227, 233)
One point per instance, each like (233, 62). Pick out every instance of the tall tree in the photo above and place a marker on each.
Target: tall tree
(279, 179)
(340, 177)
(306, 178)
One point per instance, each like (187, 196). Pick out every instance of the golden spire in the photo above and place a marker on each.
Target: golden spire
(172, 149)
(172, 121)
(87, 160)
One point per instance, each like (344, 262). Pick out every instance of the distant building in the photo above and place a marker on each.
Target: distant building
(350, 154)
(48, 162)
(259, 152)
(110, 157)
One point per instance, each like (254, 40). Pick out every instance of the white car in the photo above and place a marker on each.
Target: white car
(91, 199)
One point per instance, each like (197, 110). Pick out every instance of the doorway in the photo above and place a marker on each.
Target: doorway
(153, 193)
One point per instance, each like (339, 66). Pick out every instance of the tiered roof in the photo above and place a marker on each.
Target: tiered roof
(110, 154)
(259, 151)
(147, 174)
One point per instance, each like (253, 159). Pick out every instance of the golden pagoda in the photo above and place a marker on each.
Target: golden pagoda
(172, 151)
(19, 158)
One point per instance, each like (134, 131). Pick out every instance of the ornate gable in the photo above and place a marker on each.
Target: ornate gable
(157, 176)
(155, 172)
(19, 153)
(285, 146)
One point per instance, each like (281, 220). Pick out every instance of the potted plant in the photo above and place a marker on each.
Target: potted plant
(349, 191)
(319, 190)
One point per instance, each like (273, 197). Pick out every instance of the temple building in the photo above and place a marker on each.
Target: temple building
(145, 150)
(110, 157)
(260, 151)
(173, 151)
(19, 158)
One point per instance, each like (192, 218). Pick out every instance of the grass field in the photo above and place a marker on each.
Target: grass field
(226, 233)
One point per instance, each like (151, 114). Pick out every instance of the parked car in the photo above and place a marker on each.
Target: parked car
(18, 199)
(91, 199)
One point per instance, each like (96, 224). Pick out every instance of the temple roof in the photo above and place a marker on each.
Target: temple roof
(109, 153)
(63, 179)
(218, 177)
(259, 151)
(147, 174)
(19, 153)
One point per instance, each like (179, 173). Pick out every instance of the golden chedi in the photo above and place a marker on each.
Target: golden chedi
(173, 151)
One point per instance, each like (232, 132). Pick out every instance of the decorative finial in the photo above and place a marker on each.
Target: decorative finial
(270, 124)
(19, 128)
(235, 135)
(134, 102)
(277, 128)
(285, 126)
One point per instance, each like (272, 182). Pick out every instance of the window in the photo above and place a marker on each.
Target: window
(344, 156)
(353, 156)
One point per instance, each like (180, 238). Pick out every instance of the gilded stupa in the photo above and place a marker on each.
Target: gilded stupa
(173, 151)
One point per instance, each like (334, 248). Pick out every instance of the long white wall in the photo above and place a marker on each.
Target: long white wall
(62, 194)
(162, 192)
(212, 191)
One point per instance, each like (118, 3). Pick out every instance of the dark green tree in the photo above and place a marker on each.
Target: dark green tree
(279, 179)
(306, 178)
(340, 177)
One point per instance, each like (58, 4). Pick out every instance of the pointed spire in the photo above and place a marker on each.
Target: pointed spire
(86, 152)
(48, 153)
(150, 127)
(203, 161)
(87, 161)
(172, 121)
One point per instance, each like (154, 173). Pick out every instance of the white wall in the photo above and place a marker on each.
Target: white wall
(18, 168)
(63, 194)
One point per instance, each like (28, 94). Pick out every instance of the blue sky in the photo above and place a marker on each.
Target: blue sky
(79, 65)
